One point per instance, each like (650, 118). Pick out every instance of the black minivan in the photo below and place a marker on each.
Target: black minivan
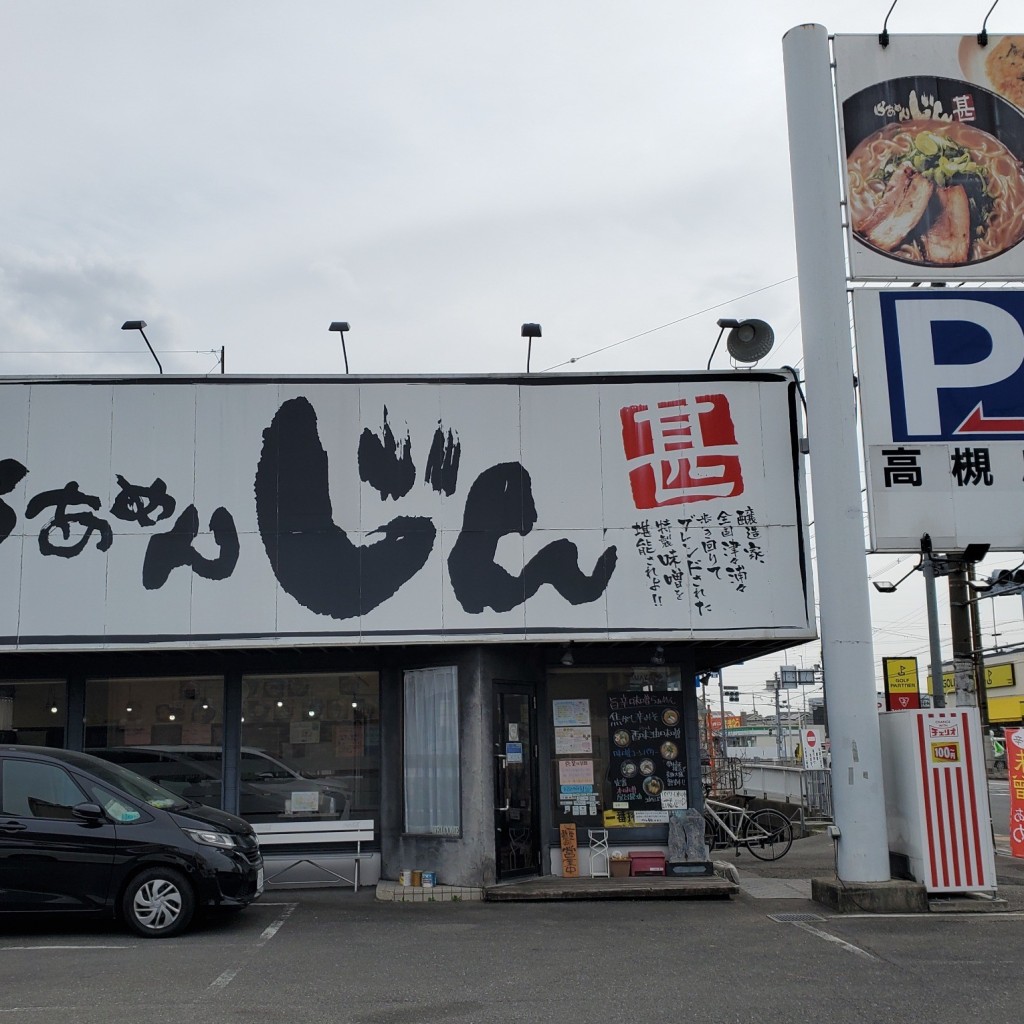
(80, 834)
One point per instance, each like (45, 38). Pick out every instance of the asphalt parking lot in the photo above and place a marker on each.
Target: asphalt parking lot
(331, 955)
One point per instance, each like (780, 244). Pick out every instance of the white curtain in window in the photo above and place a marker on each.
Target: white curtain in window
(432, 751)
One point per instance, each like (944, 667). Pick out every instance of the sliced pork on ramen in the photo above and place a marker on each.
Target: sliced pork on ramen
(948, 240)
(943, 193)
(902, 205)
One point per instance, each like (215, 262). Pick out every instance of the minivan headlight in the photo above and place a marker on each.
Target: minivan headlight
(221, 839)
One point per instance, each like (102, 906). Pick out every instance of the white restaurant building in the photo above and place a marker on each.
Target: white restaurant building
(470, 609)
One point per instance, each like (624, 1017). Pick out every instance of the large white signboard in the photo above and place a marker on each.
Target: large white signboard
(181, 513)
(933, 133)
(942, 398)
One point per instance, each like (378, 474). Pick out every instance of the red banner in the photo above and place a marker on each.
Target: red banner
(1015, 768)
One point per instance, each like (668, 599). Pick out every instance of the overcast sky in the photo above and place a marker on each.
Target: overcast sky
(240, 174)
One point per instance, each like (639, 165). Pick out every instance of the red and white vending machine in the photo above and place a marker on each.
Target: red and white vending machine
(936, 798)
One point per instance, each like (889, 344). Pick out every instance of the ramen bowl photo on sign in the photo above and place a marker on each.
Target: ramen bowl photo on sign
(934, 171)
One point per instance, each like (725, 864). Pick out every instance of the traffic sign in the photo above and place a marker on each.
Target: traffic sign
(813, 742)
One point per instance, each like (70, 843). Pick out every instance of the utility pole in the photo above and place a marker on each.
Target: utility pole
(778, 723)
(724, 731)
(979, 657)
(934, 640)
(965, 681)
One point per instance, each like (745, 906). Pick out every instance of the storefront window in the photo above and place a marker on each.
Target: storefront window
(432, 751)
(33, 712)
(310, 747)
(167, 729)
(618, 745)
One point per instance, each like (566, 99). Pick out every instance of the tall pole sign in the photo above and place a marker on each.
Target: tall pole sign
(932, 129)
(858, 795)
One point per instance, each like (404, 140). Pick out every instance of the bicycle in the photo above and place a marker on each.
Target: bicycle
(766, 833)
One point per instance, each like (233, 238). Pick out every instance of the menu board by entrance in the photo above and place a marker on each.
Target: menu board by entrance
(646, 756)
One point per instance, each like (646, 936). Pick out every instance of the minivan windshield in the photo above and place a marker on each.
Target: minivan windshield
(127, 781)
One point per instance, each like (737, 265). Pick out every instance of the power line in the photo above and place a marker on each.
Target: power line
(101, 351)
(689, 316)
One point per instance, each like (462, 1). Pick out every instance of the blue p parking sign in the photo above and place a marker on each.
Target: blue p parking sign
(954, 362)
(941, 375)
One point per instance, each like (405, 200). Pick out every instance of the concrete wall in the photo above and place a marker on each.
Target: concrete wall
(468, 859)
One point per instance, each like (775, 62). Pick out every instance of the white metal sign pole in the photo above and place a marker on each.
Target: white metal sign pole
(858, 796)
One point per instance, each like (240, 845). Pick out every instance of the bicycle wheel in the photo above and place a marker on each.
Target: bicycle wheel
(710, 834)
(769, 834)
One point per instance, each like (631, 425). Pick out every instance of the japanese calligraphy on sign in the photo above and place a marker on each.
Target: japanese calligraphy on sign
(195, 513)
(681, 451)
(697, 558)
(1014, 746)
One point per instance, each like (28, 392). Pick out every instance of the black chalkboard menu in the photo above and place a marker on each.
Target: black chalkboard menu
(645, 743)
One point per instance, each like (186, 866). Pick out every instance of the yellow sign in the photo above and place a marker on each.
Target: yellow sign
(998, 675)
(948, 682)
(995, 677)
(1005, 709)
(901, 675)
(618, 819)
(945, 752)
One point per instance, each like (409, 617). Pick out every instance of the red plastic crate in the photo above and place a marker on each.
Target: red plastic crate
(646, 862)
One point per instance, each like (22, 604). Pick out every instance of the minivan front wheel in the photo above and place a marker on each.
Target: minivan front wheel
(158, 903)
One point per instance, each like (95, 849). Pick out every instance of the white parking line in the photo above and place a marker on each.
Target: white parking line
(1000, 915)
(848, 946)
(39, 1009)
(224, 980)
(266, 935)
(5, 949)
(271, 930)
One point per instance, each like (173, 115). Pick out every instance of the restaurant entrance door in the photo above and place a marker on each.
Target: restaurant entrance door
(516, 832)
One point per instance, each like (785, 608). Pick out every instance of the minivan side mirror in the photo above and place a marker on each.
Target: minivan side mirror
(92, 813)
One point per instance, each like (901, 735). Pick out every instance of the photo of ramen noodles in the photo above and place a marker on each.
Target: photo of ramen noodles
(669, 750)
(670, 716)
(653, 786)
(627, 769)
(646, 766)
(620, 738)
(938, 193)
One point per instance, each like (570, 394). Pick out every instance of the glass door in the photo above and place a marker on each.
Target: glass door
(517, 842)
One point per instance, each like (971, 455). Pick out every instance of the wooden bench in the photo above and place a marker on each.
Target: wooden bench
(302, 841)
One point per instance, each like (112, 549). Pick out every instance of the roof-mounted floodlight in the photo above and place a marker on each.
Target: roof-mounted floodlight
(138, 325)
(529, 331)
(341, 326)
